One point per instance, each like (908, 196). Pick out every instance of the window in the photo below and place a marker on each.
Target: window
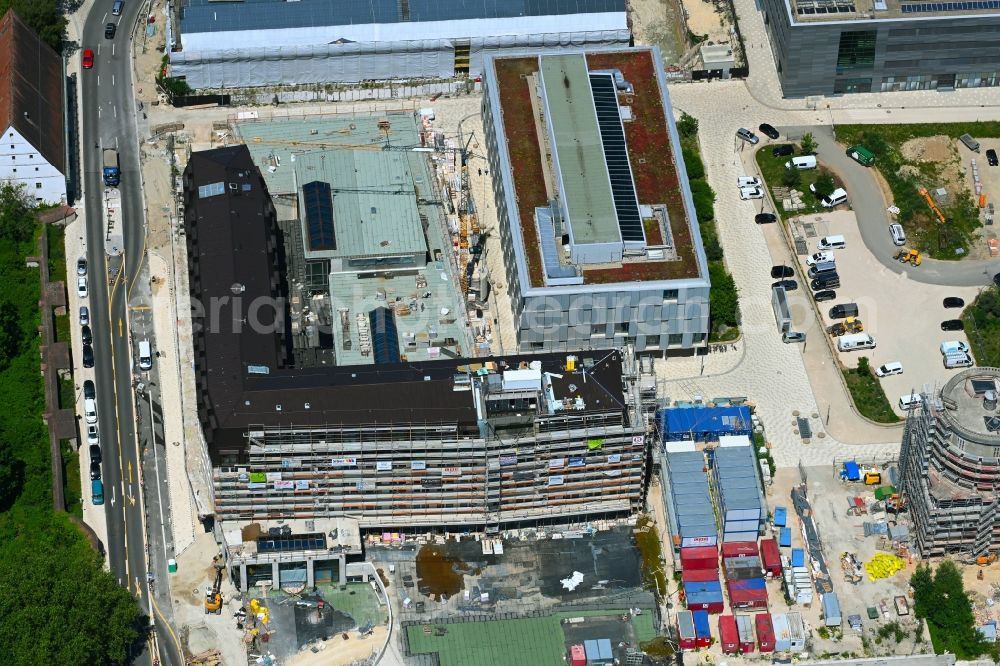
(852, 86)
(652, 341)
(597, 329)
(670, 294)
(856, 51)
(537, 345)
(621, 328)
(675, 339)
(38, 186)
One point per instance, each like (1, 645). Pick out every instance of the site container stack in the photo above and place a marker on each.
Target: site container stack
(729, 636)
(700, 577)
(703, 634)
(797, 632)
(577, 657)
(751, 593)
(770, 557)
(798, 580)
(704, 596)
(737, 487)
(689, 507)
(686, 637)
(765, 632)
(744, 625)
(785, 537)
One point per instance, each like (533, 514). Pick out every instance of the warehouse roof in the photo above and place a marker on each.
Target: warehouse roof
(214, 16)
(31, 89)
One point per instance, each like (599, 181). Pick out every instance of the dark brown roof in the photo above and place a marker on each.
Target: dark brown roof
(31, 89)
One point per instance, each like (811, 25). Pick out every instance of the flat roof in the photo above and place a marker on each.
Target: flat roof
(824, 11)
(374, 202)
(215, 16)
(978, 425)
(580, 153)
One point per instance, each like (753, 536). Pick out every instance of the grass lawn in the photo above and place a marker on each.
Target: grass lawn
(982, 325)
(67, 393)
(906, 177)
(773, 170)
(868, 396)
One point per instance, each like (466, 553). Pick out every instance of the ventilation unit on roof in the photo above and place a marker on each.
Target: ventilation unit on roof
(990, 401)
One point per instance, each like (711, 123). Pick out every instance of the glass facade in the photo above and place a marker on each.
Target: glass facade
(852, 86)
(856, 51)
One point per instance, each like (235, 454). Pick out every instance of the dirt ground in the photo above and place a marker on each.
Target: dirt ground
(338, 652)
(956, 175)
(659, 23)
(703, 19)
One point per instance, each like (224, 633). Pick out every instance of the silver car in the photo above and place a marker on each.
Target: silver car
(748, 136)
(897, 233)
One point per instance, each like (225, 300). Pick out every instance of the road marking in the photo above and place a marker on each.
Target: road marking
(130, 472)
(118, 438)
(177, 643)
(121, 327)
(138, 588)
(113, 83)
(139, 308)
(112, 495)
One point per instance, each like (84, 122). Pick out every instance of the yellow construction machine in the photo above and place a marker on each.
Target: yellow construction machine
(849, 325)
(907, 256)
(213, 599)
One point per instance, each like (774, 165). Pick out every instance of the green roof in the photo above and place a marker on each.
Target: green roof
(374, 201)
(572, 120)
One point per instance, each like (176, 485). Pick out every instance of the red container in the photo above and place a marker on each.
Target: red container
(770, 557)
(577, 656)
(728, 635)
(747, 598)
(699, 575)
(687, 636)
(765, 632)
(702, 557)
(744, 627)
(739, 549)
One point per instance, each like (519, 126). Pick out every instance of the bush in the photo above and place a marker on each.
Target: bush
(864, 368)
(709, 238)
(692, 161)
(687, 126)
(808, 144)
(724, 304)
(704, 200)
(825, 185)
(792, 177)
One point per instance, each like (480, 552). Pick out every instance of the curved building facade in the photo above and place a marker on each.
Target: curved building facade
(950, 466)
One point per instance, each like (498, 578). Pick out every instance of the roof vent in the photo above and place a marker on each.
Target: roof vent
(307, 405)
(990, 401)
(237, 288)
(277, 408)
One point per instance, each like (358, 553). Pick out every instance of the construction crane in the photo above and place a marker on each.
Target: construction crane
(930, 202)
(213, 599)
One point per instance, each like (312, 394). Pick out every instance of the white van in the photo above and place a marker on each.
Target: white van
(804, 162)
(837, 197)
(90, 410)
(145, 355)
(909, 401)
(957, 360)
(855, 341)
(832, 243)
(954, 347)
(889, 369)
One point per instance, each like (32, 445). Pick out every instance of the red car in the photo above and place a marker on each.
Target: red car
(88, 59)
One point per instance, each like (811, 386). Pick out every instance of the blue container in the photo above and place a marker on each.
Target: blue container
(785, 537)
(798, 557)
(702, 587)
(780, 516)
(701, 626)
(749, 584)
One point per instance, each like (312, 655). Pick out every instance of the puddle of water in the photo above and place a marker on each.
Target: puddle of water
(438, 572)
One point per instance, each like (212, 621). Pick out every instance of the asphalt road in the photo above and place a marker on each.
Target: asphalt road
(873, 221)
(109, 121)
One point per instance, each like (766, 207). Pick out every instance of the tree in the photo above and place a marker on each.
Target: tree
(922, 582)
(11, 478)
(17, 218)
(704, 200)
(723, 297)
(952, 615)
(687, 126)
(792, 177)
(824, 185)
(808, 144)
(864, 368)
(11, 334)
(43, 16)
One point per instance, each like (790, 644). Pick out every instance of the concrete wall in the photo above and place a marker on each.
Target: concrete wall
(929, 52)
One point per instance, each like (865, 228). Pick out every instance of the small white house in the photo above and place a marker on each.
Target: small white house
(33, 145)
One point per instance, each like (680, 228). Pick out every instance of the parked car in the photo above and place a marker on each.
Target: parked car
(88, 58)
(819, 257)
(897, 234)
(954, 302)
(842, 310)
(952, 325)
(81, 286)
(93, 434)
(822, 285)
(783, 150)
(747, 193)
(991, 157)
(109, 31)
(81, 266)
(88, 356)
(889, 369)
(89, 390)
(747, 135)
(95, 471)
(793, 336)
(769, 131)
(84, 315)
(789, 285)
(86, 335)
(765, 218)
(825, 295)
(95, 453)
(748, 181)
(996, 279)
(782, 271)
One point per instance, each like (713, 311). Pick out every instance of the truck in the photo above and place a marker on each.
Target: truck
(969, 142)
(861, 155)
(112, 168)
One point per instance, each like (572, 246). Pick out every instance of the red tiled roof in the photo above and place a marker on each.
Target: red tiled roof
(31, 89)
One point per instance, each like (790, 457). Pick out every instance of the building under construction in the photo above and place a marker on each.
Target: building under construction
(475, 443)
(950, 466)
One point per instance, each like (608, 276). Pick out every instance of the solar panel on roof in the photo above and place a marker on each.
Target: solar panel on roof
(211, 190)
(616, 156)
(385, 338)
(950, 6)
(318, 203)
(291, 542)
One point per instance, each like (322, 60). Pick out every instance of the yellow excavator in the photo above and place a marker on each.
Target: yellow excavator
(906, 256)
(213, 599)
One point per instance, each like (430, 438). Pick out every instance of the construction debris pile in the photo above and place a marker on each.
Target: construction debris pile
(852, 568)
(884, 565)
